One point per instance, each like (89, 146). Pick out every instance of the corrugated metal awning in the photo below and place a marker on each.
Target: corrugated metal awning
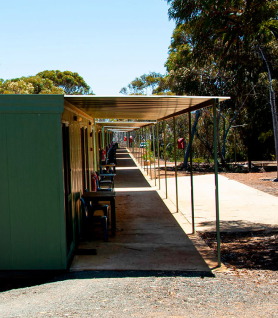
(123, 125)
(139, 107)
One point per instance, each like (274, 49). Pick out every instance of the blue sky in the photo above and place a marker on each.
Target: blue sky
(107, 42)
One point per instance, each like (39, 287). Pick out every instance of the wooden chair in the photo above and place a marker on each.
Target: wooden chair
(88, 216)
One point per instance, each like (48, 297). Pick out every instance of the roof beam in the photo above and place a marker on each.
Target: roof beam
(189, 109)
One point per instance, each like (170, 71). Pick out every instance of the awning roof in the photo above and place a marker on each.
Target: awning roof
(123, 125)
(132, 124)
(139, 107)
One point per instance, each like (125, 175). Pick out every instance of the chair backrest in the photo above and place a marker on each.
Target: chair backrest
(94, 184)
(84, 208)
(96, 178)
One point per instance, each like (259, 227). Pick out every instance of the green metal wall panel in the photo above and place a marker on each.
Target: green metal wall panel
(31, 104)
(32, 227)
(32, 212)
(5, 224)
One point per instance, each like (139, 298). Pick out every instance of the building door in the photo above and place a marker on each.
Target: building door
(67, 185)
(83, 169)
(87, 158)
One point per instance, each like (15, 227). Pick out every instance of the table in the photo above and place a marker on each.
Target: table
(111, 165)
(97, 196)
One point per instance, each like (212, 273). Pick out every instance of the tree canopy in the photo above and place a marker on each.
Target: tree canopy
(71, 83)
(147, 84)
(222, 47)
(46, 82)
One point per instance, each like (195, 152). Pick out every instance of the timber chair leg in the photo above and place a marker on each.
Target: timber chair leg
(104, 224)
(88, 218)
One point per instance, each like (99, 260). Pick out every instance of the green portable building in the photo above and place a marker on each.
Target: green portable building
(46, 158)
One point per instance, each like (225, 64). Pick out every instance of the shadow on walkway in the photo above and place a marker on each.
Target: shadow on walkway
(148, 238)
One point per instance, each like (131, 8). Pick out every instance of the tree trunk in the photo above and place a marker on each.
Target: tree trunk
(273, 108)
(186, 156)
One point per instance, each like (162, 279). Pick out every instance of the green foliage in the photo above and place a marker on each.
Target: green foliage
(71, 83)
(198, 160)
(46, 82)
(147, 84)
(216, 50)
(18, 86)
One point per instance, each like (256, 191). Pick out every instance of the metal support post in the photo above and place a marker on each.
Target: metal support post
(95, 148)
(154, 155)
(133, 141)
(150, 149)
(146, 150)
(176, 171)
(142, 150)
(103, 147)
(191, 176)
(216, 182)
(139, 146)
(158, 154)
(165, 164)
(135, 145)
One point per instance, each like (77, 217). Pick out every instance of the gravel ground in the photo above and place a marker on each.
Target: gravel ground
(260, 180)
(146, 294)
(240, 292)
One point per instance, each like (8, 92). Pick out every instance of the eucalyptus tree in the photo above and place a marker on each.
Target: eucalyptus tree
(46, 82)
(71, 82)
(228, 44)
(147, 84)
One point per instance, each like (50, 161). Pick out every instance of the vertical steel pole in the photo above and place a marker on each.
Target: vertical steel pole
(138, 143)
(150, 150)
(165, 165)
(146, 129)
(176, 171)
(133, 141)
(154, 155)
(95, 147)
(141, 148)
(191, 176)
(216, 182)
(235, 144)
(158, 153)
(103, 138)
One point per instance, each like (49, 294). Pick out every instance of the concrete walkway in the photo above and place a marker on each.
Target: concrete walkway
(148, 236)
(241, 207)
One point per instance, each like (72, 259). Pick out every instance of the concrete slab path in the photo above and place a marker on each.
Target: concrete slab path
(148, 236)
(241, 207)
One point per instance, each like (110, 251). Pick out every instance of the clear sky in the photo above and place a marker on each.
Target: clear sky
(108, 42)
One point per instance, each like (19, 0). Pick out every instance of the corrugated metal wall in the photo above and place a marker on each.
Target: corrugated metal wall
(32, 227)
(32, 203)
